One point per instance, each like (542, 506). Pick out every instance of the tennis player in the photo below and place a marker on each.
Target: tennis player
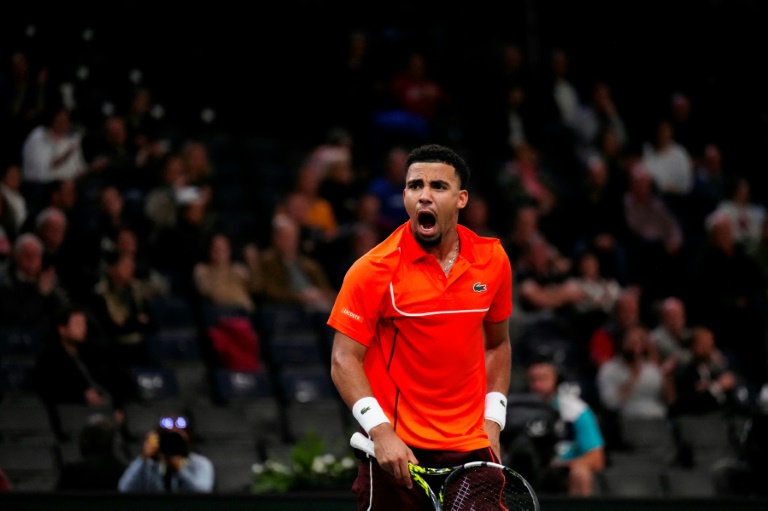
(421, 352)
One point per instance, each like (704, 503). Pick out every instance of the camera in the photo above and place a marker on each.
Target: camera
(172, 443)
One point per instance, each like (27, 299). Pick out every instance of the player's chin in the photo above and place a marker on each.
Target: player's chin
(428, 239)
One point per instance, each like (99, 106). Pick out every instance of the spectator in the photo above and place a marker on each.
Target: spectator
(476, 216)
(727, 293)
(388, 187)
(416, 91)
(74, 368)
(198, 168)
(596, 215)
(51, 151)
(10, 187)
(671, 336)
(220, 280)
(111, 153)
(99, 467)
(64, 252)
(168, 462)
(655, 240)
(632, 384)
(746, 216)
(578, 453)
(525, 178)
(706, 383)
(175, 250)
(605, 341)
(24, 96)
(30, 294)
(160, 202)
(120, 305)
(291, 277)
(668, 162)
(599, 115)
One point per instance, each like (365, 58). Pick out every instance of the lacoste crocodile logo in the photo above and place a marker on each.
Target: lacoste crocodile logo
(479, 288)
(362, 412)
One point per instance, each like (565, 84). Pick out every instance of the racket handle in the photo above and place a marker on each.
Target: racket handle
(362, 442)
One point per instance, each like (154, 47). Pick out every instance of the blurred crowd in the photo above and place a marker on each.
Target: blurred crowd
(639, 253)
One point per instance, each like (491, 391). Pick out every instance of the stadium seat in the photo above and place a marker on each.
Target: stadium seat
(696, 483)
(650, 439)
(16, 377)
(155, 383)
(20, 342)
(29, 468)
(631, 482)
(25, 421)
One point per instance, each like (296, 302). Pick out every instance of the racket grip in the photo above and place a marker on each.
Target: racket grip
(360, 441)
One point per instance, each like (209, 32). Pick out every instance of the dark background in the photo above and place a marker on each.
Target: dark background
(270, 69)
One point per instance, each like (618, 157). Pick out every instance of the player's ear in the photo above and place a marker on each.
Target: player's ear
(463, 199)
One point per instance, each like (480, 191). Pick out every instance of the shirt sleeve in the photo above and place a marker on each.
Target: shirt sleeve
(501, 307)
(197, 475)
(609, 380)
(355, 312)
(587, 432)
(141, 476)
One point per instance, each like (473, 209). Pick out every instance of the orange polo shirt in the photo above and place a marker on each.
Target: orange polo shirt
(426, 354)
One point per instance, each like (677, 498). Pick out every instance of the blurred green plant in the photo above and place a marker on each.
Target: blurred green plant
(310, 468)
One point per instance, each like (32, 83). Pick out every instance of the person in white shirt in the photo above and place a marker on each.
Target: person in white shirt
(52, 151)
(669, 162)
(746, 216)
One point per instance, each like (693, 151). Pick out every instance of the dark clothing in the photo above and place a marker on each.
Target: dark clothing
(376, 489)
(727, 294)
(99, 473)
(691, 400)
(63, 379)
(22, 304)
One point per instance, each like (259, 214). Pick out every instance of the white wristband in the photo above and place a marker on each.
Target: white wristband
(368, 413)
(496, 408)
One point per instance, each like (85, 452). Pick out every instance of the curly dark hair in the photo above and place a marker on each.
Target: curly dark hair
(436, 153)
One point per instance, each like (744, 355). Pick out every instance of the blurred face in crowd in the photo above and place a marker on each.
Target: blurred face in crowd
(61, 124)
(53, 230)
(702, 344)
(542, 379)
(75, 330)
(28, 257)
(126, 242)
(673, 314)
(123, 270)
(220, 249)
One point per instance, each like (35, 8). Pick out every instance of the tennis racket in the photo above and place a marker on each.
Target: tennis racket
(476, 486)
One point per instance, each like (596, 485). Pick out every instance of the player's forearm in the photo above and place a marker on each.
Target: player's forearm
(498, 367)
(347, 372)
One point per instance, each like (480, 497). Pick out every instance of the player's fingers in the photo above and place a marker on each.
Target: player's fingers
(407, 478)
(412, 458)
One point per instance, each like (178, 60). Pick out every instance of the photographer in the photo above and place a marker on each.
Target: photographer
(560, 451)
(166, 463)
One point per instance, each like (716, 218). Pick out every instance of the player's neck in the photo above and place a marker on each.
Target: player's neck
(448, 252)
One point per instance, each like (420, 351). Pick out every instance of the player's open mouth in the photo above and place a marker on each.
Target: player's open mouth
(427, 222)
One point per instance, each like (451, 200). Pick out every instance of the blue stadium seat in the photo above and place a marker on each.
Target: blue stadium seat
(20, 341)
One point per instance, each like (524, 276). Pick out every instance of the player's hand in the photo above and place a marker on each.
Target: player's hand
(392, 453)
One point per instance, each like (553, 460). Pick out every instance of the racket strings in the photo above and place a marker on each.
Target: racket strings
(486, 489)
